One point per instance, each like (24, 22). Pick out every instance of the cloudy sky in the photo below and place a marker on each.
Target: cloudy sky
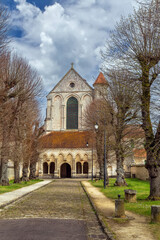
(52, 34)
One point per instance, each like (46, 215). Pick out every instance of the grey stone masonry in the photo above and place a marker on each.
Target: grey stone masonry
(155, 213)
(130, 195)
(119, 208)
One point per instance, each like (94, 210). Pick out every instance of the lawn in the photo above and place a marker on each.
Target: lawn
(142, 206)
(14, 186)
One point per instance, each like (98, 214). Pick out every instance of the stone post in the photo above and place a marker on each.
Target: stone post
(155, 213)
(130, 195)
(119, 208)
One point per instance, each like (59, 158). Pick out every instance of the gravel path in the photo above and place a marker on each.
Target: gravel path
(137, 228)
(60, 200)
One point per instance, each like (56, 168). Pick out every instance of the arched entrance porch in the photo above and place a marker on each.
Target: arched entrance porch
(65, 170)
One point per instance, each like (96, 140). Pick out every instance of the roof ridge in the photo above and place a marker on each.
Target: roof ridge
(71, 69)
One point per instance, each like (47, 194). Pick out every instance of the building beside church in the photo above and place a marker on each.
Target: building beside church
(64, 151)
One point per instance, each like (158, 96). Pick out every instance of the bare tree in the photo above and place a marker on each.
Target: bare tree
(135, 45)
(122, 94)
(4, 17)
(18, 84)
(37, 132)
(99, 111)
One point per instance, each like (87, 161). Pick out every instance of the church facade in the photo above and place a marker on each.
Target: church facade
(66, 147)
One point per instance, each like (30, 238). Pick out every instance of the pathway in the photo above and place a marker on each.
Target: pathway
(137, 228)
(60, 210)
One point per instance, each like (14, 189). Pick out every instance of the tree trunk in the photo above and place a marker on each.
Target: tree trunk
(107, 177)
(4, 174)
(154, 174)
(4, 159)
(25, 174)
(120, 179)
(16, 172)
(32, 171)
(101, 172)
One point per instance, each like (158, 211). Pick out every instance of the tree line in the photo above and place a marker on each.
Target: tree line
(20, 88)
(131, 64)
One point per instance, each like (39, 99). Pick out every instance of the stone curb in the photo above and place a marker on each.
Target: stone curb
(2, 205)
(98, 215)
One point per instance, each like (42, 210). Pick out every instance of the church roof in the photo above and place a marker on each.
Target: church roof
(71, 70)
(67, 139)
(100, 79)
(140, 153)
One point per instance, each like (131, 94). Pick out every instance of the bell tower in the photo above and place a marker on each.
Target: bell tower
(100, 86)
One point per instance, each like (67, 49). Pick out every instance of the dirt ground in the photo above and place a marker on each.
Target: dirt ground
(137, 227)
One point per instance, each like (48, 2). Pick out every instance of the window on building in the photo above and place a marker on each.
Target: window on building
(78, 168)
(52, 167)
(85, 167)
(72, 113)
(45, 168)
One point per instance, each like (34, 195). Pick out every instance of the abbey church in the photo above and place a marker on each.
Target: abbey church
(66, 146)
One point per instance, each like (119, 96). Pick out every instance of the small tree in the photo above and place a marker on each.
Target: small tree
(99, 111)
(123, 95)
(37, 132)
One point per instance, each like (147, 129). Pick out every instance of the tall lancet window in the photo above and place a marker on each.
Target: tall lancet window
(72, 113)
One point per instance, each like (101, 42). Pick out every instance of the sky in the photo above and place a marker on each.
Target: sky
(53, 34)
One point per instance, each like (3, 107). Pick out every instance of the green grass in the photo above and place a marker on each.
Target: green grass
(14, 186)
(142, 206)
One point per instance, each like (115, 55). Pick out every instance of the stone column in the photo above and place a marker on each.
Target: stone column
(56, 171)
(80, 117)
(62, 116)
(73, 168)
(90, 168)
(48, 167)
(82, 166)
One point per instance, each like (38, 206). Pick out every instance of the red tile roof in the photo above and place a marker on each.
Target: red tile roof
(140, 153)
(134, 131)
(100, 79)
(67, 139)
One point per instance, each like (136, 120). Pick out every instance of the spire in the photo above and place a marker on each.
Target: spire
(72, 65)
(100, 79)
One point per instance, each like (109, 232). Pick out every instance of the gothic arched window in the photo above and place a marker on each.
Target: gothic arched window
(72, 113)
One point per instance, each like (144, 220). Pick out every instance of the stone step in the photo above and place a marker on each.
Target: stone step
(47, 176)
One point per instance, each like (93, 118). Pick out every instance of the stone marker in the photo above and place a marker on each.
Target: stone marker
(119, 208)
(130, 195)
(155, 213)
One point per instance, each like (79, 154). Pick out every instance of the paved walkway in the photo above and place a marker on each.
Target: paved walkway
(9, 197)
(59, 211)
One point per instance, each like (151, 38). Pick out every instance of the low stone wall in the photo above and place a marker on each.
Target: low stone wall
(139, 171)
(10, 170)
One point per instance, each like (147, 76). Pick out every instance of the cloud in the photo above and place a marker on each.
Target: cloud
(73, 31)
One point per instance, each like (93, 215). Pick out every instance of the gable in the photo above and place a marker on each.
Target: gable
(72, 82)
